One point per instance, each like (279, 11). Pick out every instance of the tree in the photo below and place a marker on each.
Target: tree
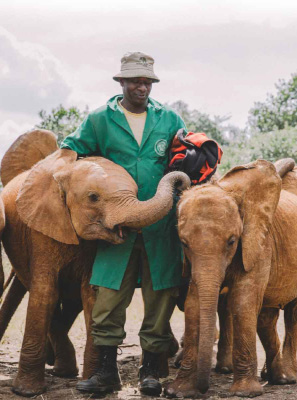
(62, 121)
(270, 146)
(274, 145)
(278, 111)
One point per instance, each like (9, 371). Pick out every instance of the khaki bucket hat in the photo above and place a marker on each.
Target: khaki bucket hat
(137, 65)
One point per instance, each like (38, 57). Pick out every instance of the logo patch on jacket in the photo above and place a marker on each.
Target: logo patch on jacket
(160, 147)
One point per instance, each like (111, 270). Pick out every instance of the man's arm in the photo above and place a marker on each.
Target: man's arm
(83, 140)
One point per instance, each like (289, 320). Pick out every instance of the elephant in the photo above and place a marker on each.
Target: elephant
(240, 232)
(55, 212)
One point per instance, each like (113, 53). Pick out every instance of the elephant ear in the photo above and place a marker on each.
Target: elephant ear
(41, 203)
(26, 151)
(256, 189)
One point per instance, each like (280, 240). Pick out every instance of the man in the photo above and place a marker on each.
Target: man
(134, 131)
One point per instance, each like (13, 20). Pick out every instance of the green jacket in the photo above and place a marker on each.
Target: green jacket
(106, 132)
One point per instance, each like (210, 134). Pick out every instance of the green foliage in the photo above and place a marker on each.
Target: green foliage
(278, 111)
(269, 146)
(272, 146)
(61, 121)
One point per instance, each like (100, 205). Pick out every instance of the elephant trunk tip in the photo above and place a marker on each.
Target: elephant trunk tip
(182, 181)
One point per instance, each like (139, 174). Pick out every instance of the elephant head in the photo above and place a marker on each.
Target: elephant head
(213, 221)
(91, 198)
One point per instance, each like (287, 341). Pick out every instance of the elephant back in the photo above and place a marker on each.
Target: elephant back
(26, 151)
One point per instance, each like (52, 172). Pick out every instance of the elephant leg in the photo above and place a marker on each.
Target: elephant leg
(42, 302)
(224, 357)
(290, 342)
(11, 302)
(91, 355)
(273, 369)
(185, 383)
(64, 353)
(245, 306)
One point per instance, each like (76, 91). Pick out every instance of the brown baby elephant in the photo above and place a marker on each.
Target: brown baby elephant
(54, 213)
(240, 232)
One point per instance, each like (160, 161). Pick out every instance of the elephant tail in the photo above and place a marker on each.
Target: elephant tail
(26, 151)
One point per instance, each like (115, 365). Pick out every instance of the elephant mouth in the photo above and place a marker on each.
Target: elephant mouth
(118, 232)
(121, 231)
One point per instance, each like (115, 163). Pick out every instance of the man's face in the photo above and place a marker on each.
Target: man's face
(136, 90)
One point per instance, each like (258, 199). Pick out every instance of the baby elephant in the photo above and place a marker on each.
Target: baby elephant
(55, 212)
(240, 232)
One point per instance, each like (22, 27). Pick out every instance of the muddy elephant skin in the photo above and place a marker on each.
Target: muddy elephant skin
(54, 213)
(240, 232)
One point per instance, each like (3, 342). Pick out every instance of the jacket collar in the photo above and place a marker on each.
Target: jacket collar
(113, 103)
(154, 109)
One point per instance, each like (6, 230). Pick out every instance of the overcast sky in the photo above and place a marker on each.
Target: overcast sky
(217, 56)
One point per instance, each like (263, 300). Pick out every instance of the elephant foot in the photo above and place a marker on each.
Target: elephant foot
(64, 368)
(181, 389)
(278, 374)
(64, 372)
(246, 388)
(65, 361)
(291, 379)
(224, 360)
(26, 390)
(290, 371)
(224, 367)
(184, 385)
(281, 378)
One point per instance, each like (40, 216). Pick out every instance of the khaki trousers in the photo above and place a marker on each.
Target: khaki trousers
(109, 312)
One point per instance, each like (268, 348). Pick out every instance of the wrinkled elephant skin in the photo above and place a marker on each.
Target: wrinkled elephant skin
(54, 213)
(240, 232)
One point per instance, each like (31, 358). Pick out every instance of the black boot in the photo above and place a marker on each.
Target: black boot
(106, 378)
(149, 374)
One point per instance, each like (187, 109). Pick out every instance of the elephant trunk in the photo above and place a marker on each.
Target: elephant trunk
(208, 300)
(138, 214)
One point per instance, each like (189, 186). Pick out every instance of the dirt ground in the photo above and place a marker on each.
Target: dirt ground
(64, 389)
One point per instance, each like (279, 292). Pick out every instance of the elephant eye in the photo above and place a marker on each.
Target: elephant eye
(93, 197)
(231, 241)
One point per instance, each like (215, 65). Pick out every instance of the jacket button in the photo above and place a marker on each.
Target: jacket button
(138, 159)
